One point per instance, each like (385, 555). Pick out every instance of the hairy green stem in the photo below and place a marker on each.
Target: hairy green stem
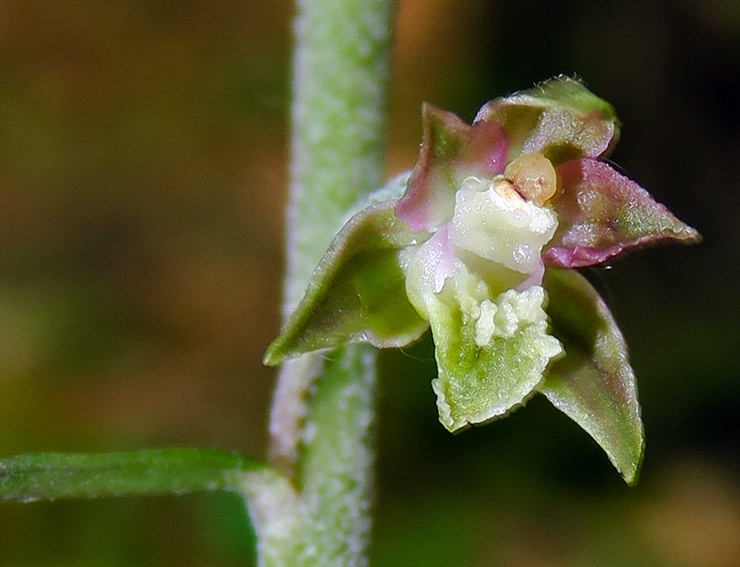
(321, 437)
(338, 122)
(338, 131)
(335, 465)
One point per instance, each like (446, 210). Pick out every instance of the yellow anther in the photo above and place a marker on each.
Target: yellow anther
(534, 177)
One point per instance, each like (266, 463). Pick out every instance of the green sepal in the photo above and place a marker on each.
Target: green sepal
(559, 118)
(49, 476)
(593, 384)
(357, 292)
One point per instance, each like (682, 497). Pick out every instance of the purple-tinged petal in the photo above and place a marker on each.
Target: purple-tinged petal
(485, 154)
(601, 213)
(593, 383)
(439, 259)
(560, 118)
(450, 151)
(535, 278)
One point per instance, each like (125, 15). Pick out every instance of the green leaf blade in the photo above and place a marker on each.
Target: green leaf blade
(50, 476)
(593, 384)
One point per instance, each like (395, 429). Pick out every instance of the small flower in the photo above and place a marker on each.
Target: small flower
(480, 247)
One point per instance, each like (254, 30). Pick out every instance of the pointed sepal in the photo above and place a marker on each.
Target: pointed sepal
(593, 384)
(602, 213)
(559, 118)
(357, 292)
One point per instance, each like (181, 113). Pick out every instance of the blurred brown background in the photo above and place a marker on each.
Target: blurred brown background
(143, 159)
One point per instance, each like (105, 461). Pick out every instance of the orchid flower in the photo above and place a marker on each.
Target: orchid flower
(481, 248)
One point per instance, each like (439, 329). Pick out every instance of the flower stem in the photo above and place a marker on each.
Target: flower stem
(338, 131)
(321, 436)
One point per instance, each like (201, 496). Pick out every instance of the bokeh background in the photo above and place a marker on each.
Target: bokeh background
(143, 166)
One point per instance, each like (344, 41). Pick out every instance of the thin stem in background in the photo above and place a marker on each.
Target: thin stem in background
(340, 79)
(338, 130)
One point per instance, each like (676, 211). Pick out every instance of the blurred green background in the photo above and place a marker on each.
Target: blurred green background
(143, 165)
